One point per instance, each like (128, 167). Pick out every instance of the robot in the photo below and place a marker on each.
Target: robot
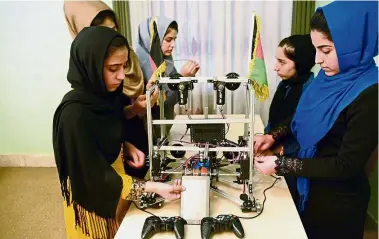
(208, 140)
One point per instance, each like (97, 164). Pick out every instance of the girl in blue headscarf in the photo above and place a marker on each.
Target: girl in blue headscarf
(335, 124)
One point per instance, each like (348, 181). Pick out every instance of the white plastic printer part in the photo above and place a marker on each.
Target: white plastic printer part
(194, 204)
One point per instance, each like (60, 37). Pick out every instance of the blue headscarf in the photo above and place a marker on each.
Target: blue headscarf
(354, 30)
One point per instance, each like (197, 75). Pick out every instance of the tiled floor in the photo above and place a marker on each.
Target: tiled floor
(31, 205)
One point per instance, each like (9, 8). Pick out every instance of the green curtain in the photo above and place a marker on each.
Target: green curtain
(302, 12)
(121, 8)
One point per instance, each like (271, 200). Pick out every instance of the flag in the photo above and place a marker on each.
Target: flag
(157, 62)
(257, 67)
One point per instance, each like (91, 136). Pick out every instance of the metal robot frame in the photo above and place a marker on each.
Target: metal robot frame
(247, 201)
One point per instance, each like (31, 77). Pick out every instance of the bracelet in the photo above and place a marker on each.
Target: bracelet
(280, 168)
(286, 165)
(138, 188)
(278, 133)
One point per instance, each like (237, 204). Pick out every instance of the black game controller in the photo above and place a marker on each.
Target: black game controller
(155, 224)
(221, 223)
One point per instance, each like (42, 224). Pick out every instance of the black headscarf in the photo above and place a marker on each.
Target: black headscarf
(288, 93)
(87, 136)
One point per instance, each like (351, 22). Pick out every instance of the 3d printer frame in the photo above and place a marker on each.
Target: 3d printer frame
(158, 153)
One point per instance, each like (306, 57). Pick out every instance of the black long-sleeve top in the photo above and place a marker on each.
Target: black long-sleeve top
(341, 157)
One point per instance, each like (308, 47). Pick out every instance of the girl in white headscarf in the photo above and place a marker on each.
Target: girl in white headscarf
(166, 31)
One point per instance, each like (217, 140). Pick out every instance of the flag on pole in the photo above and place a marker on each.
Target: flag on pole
(257, 67)
(156, 59)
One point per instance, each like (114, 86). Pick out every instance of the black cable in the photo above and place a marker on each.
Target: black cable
(275, 177)
(184, 133)
(143, 210)
(162, 142)
(264, 200)
(231, 142)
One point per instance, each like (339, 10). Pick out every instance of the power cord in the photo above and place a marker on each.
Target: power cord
(264, 200)
(275, 177)
(143, 210)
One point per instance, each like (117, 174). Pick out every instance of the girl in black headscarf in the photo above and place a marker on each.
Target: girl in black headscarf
(295, 57)
(89, 139)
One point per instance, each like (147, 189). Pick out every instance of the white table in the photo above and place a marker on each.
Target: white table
(278, 220)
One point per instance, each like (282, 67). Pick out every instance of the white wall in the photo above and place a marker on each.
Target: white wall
(321, 3)
(34, 56)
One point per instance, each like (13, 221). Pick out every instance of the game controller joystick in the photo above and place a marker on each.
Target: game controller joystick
(155, 224)
(210, 225)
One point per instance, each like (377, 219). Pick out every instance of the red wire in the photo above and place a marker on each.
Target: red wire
(163, 177)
